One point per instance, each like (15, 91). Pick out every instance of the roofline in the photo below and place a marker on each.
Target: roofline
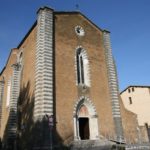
(135, 86)
(35, 23)
(22, 41)
(2, 70)
(7, 61)
(27, 34)
(32, 27)
(79, 13)
(44, 7)
(58, 12)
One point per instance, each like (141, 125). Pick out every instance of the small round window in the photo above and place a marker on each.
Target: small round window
(79, 31)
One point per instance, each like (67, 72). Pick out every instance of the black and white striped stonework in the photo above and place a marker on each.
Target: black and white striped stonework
(1, 99)
(15, 88)
(44, 64)
(113, 85)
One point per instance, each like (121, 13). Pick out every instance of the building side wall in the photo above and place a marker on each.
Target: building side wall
(7, 75)
(130, 125)
(67, 92)
(25, 100)
(27, 87)
(143, 135)
(1, 99)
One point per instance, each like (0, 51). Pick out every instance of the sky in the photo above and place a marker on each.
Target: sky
(127, 20)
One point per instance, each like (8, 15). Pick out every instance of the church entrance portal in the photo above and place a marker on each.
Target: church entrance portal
(85, 121)
(84, 128)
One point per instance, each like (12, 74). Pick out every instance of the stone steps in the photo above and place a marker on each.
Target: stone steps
(92, 145)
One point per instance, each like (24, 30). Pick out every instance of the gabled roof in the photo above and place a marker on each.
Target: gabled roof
(55, 12)
(135, 86)
(59, 13)
(79, 13)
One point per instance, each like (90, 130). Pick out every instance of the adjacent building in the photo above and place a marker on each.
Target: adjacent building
(137, 100)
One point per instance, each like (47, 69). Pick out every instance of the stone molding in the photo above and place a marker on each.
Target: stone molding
(1, 99)
(85, 56)
(44, 64)
(84, 100)
(15, 89)
(113, 86)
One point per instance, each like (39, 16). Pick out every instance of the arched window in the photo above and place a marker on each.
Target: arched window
(82, 66)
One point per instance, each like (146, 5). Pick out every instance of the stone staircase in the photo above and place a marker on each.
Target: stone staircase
(93, 145)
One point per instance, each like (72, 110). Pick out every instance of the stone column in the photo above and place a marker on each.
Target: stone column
(75, 127)
(1, 99)
(15, 89)
(43, 106)
(113, 86)
(44, 64)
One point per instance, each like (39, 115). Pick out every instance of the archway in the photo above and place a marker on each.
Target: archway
(85, 120)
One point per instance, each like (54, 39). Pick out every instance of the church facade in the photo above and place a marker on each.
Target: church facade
(59, 86)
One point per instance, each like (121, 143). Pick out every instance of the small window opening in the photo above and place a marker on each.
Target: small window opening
(133, 89)
(130, 100)
(129, 90)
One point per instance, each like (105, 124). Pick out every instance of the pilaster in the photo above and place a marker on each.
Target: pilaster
(113, 86)
(15, 89)
(1, 99)
(44, 64)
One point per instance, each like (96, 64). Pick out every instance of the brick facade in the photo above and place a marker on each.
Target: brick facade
(48, 84)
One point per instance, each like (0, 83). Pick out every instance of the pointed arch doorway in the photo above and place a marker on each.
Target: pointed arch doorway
(85, 121)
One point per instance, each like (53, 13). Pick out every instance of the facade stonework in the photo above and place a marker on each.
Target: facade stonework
(69, 93)
(64, 87)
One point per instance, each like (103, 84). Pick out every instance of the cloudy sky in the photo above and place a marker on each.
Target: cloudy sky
(128, 21)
